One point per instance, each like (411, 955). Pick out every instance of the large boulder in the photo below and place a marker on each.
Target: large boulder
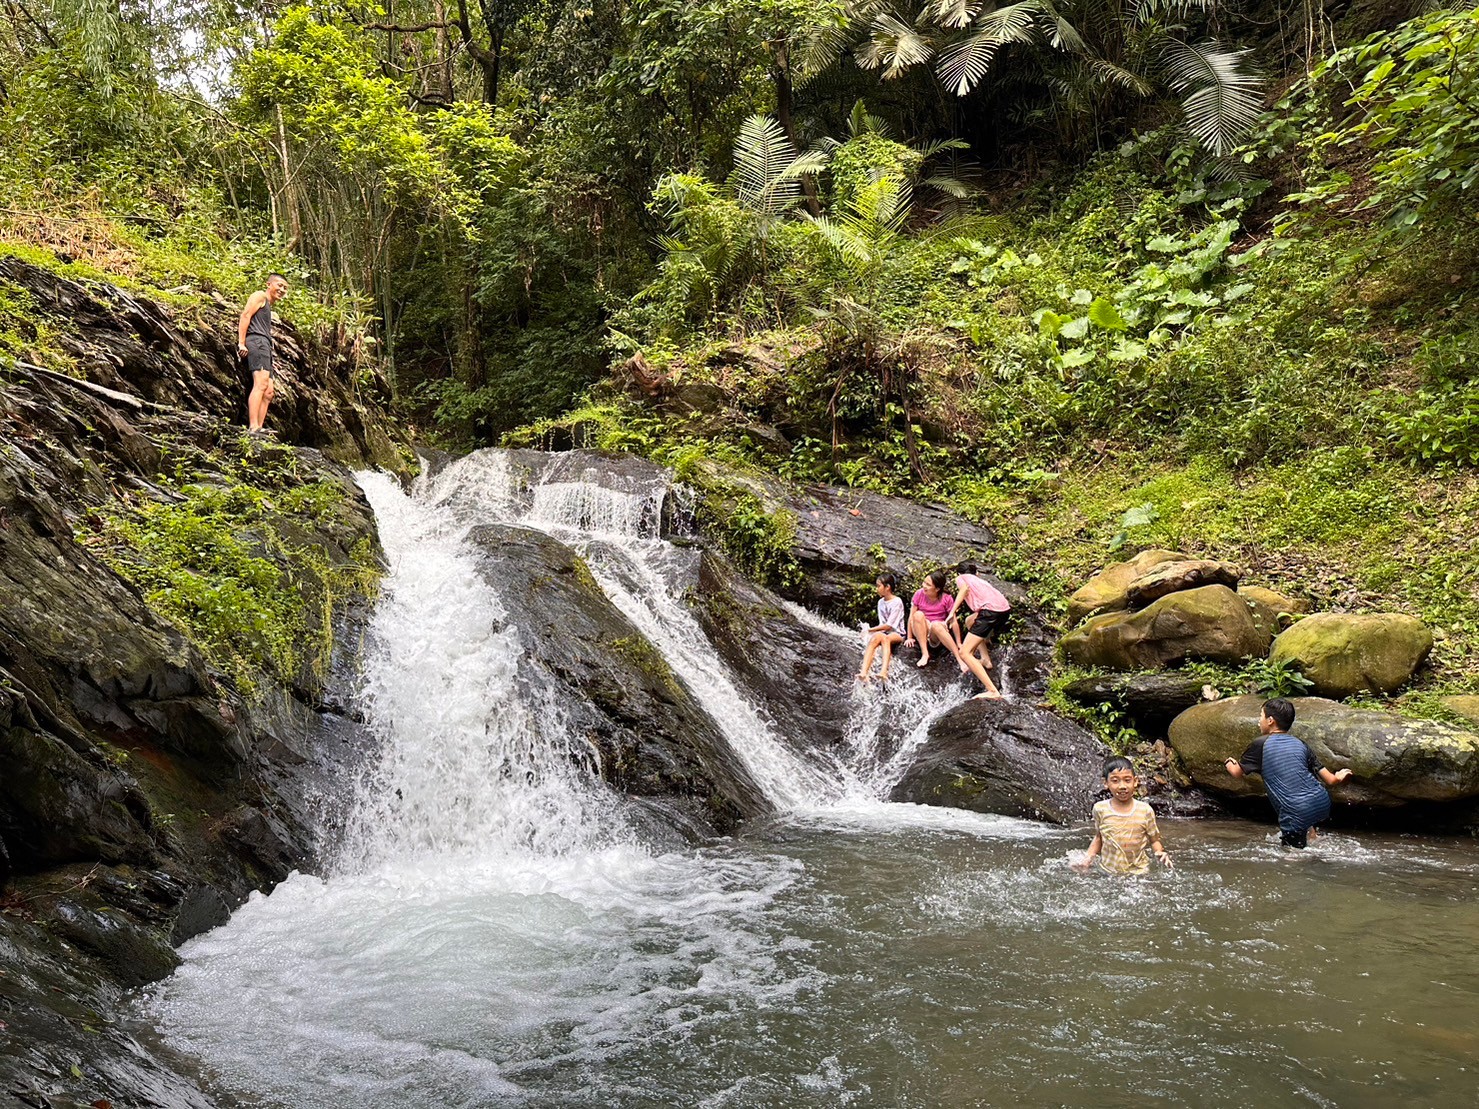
(1108, 590)
(1173, 577)
(1344, 654)
(1395, 761)
(1271, 611)
(1207, 623)
(655, 739)
(1151, 701)
(1006, 758)
(1465, 705)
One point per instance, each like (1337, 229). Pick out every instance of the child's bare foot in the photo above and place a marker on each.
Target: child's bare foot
(988, 695)
(924, 660)
(883, 677)
(964, 669)
(865, 677)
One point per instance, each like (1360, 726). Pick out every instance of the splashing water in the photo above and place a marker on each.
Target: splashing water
(496, 933)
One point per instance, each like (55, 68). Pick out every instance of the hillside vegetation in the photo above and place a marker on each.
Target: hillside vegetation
(1102, 275)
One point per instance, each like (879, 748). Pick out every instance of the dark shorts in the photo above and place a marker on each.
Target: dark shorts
(1291, 838)
(988, 624)
(259, 356)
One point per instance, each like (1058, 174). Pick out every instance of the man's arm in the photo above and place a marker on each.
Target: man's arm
(254, 302)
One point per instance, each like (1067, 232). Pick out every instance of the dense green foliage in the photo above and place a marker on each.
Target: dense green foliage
(1063, 266)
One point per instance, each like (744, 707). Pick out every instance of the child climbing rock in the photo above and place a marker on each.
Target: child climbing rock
(1123, 826)
(888, 633)
(1294, 778)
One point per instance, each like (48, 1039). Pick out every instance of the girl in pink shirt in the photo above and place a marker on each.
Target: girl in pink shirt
(928, 621)
(988, 613)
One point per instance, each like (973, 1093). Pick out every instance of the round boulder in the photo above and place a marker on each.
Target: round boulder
(1206, 623)
(1173, 577)
(1395, 761)
(1271, 611)
(1348, 653)
(1107, 591)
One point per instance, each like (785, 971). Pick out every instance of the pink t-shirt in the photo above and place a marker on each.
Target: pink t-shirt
(980, 593)
(933, 610)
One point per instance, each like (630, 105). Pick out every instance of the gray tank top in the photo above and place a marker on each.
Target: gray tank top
(260, 325)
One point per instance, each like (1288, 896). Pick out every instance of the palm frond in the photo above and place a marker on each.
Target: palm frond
(848, 244)
(860, 121)
(963, 65)
(1221, 98)
(1062, 35)
(1109, 73)
(953, 13)
(767, 169)
(894, 46)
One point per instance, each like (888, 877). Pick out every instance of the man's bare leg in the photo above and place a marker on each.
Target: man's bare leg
(257, 400)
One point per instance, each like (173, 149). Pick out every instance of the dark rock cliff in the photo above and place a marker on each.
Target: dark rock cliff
(144, 789)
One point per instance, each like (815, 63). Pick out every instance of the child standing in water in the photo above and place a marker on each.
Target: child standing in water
(1123, 826)
(888, 633)
(1294, 778)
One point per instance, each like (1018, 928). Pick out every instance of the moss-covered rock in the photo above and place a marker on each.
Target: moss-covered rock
(1395, 761)
(1271, 611)
(1207, 623)
(1344, 653)
(1465, 705)
(1108, 590)
(1173, 577)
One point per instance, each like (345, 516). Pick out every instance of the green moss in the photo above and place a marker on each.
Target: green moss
(645, 657)
(235, 558)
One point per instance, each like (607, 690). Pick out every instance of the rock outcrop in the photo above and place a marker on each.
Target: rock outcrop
(1151, 700)
(1173, 577)
(144, 791)
(1109, 589)
(1006, 758)
(1396, 762)
(1271, 611)
(1348, 653)
(615, 688)
(1207, 623)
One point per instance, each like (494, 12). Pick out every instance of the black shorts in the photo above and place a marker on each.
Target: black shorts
(988, 624)
(259, 356)
(1299, 839)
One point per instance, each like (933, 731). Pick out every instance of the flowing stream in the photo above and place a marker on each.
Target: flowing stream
(496, 931)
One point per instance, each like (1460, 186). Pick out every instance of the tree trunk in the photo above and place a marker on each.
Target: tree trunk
(784, 98)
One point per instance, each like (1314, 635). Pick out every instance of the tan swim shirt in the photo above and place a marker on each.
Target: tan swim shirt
(1125, 837)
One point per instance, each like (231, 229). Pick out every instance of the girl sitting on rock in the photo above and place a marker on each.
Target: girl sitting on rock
(929, 621)
(888, 633)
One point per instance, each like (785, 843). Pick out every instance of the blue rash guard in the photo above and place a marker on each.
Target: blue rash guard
(1291, 776)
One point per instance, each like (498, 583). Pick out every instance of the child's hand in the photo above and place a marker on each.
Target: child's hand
(1342, 775)
(1164, 859)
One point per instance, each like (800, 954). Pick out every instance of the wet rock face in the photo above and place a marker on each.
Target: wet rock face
(142, 796)
(655, 740)
(1006, 758)
(796, 672)
(1396, 762)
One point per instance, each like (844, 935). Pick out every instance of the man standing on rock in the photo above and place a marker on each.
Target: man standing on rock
(1294, 778)
(254, 343)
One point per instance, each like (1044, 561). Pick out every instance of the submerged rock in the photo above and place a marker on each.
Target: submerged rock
(1396, 761)
(1006, 758)
(1348, 653)
(1207, 623)
(653, 738)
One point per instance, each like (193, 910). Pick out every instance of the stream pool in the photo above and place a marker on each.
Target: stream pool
(887, 956)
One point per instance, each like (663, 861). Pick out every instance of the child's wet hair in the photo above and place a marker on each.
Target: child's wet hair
(1116, 762)
(966, 568)
(887, 579)
(1281, 712)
